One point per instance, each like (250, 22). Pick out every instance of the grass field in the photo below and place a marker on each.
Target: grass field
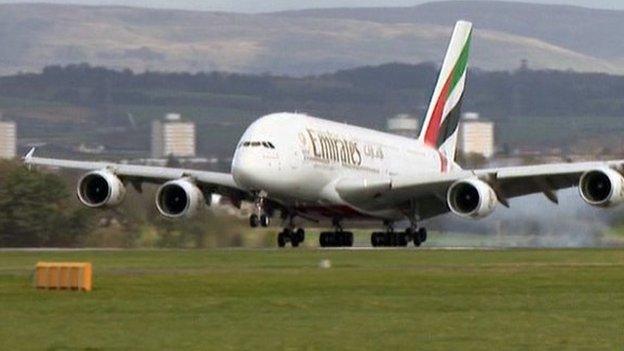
(282, 300)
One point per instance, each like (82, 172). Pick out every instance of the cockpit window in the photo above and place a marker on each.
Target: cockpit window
(265, 144)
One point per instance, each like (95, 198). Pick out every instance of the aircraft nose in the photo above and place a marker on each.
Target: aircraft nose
(250, 172)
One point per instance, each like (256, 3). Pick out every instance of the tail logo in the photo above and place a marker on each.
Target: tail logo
(444, 111)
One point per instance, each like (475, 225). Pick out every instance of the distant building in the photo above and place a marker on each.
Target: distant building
(476, 136)
(8, 139)
(173, 137)
(403, 124)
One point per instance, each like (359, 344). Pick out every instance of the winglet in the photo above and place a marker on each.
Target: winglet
(30, 154)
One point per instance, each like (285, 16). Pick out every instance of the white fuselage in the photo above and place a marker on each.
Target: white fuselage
(297, 160)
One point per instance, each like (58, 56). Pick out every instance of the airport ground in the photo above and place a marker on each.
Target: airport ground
(283, 300)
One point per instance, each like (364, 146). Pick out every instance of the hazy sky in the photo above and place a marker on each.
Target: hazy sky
(275, 5)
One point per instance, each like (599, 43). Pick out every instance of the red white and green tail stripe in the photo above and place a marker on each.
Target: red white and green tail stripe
(441, 123)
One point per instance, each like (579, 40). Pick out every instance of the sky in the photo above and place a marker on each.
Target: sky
(253, 6)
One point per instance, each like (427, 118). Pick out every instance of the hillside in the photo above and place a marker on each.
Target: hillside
(35, 35)
(587, 31)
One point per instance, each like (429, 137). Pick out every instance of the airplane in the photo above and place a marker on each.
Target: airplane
(329, 174)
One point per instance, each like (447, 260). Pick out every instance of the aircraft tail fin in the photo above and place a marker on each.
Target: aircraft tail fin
(442, 120)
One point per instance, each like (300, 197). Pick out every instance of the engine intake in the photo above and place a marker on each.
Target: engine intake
(179, 198)
(602, 187)
(471, 198)
(100, 189)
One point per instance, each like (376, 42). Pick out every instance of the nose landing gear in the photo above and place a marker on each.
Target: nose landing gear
(294, 237)
(261, 217)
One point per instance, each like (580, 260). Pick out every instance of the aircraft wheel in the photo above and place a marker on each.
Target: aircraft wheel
(422, 234)
(300, 235)
(388, 239)
(376, 239)
(401, 239)
(253, 220)
(347, 239)
(409, 234)
(265, 221)
(324, 239)
(281, 239)
(294, 242)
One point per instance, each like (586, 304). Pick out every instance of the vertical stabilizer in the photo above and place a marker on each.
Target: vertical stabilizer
(442, 120)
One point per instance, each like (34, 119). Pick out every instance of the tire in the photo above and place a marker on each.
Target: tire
(374, 240)
(294, 242)
(422, 235)
(388, 239)
(300, 235)
(401, 239)
(265, 221)
(337, 239)
(281, 239)
(378, 239)
(347, 239)
(253, 221)
(323, 240)
(409, 234)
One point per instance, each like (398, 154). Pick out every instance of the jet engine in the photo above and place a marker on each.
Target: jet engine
(602, 187)
(471, 198)
(179, 198)
(100, 189)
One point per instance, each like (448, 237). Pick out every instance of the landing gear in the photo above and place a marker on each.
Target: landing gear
(261, 217)
(254, 221)
(336, 239)
(294, 237)
(390, 238)
(420, 236)
(265, 220)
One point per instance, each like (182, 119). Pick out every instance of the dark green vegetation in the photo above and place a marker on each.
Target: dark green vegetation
(79, 103)
(257, 300)
(40, 209)
(36, 210)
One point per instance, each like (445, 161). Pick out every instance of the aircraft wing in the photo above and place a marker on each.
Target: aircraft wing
(428, 191)
(220, 183)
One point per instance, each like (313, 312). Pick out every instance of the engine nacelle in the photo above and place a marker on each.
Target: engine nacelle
(179, 198)
(100, 189)
(602, 187)
(471, 198)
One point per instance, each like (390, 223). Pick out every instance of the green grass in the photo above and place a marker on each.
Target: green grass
(281, 300)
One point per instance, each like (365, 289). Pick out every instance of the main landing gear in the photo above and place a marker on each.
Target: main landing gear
(337, 238)
(390, 238)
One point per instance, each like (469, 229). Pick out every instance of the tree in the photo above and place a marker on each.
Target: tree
(35, 210)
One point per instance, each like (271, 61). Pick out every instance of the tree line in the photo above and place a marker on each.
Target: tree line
(380, 89)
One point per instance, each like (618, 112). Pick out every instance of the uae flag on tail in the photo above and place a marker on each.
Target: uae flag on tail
(441, 123)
